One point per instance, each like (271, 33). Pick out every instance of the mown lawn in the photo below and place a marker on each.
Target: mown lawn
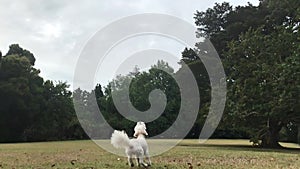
(188, 154)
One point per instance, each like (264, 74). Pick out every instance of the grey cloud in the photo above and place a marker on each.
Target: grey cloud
(25, 22)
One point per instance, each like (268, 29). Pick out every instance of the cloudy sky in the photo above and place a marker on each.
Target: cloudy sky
(56, 31)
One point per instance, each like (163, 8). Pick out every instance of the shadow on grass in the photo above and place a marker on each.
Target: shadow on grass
(245, 148)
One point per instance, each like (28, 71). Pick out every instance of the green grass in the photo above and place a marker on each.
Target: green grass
(85, 154)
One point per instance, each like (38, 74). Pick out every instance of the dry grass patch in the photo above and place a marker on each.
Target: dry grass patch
(188, 154)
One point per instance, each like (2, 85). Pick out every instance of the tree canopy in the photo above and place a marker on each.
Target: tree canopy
(259, 47)
(33, 109)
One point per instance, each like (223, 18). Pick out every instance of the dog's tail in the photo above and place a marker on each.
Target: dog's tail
(119, 139)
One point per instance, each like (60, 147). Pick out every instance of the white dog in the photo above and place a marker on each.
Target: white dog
(137, 147)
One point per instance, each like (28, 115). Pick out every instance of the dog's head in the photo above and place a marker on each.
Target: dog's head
(140, 128)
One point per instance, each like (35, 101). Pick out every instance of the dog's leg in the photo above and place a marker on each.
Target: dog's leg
(141, 161)
(148, 157)
(138, 161)
(130, 161)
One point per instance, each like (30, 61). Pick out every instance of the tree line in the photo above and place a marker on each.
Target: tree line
(258, 45)
(33, 109)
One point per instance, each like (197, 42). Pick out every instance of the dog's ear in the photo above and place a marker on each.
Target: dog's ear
(146, 133)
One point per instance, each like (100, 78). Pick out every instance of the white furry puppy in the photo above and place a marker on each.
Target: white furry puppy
(137, 147)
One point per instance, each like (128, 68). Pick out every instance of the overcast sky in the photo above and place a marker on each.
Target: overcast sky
(55, 31)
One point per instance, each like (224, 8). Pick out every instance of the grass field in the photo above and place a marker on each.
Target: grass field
(188, 154)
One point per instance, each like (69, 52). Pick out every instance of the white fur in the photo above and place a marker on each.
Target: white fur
(140, 128)
(133, 147)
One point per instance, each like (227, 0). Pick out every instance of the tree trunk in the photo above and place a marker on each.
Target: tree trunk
(299, 134)
(271, 138)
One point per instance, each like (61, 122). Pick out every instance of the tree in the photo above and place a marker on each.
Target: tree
(140, 85)
(0, 57)
(15, 49)
(31, 109)
(57, 111)
(20, 93)
(213, 20)
(192, 61)
(222, 25)
(264, 81)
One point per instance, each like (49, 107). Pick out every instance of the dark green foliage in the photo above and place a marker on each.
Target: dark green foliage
(31, 109)
(213, 20)
(141, 85)
(263, 81)
(0, 56)
(19, 85)
(15, 49)
(260, 47)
